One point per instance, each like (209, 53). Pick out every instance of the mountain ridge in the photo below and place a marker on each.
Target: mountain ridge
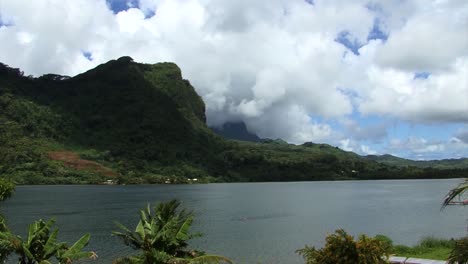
(238, 131)
(146, 124)
(460, 163)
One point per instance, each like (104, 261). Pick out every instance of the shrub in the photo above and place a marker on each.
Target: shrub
(459, 253)
(387, 243)
(341, 248)
(6, 189)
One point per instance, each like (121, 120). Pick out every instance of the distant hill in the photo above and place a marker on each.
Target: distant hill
(127, 122)
(236, 131)
(461, 163)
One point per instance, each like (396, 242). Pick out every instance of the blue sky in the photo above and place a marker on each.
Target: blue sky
(121, 5)
(368, 76)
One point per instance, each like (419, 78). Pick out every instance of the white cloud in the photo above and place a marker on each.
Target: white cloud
(272, 64)
(425, 149)
(373, 132)
(443, 97)
(462, 135)
(345, 144)
(348, 144)
(367, 150)
(430, 40)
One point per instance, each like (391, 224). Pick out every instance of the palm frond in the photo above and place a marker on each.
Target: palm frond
(454, 193)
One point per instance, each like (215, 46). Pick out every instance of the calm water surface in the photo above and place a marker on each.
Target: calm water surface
(248, 222)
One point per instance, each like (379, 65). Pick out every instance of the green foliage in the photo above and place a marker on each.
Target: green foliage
(433, 242)
(6, 189)
(428, 248)
(341, 248)
(41, 245)
(386, 242)
(459, 253)
(444, 164)
(148, 124)
(161, 235)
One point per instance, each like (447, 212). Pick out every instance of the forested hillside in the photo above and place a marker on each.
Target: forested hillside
(461, 163)
(126, 122)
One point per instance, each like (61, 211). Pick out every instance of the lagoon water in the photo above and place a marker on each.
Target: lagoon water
(248, 222)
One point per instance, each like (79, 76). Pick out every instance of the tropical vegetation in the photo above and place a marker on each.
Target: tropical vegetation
(459, 254)
(457, 196)
(460, 163)
(127, 122)
(6, 189)
(426, 248)
(41, 245)
(341, 248)
(161, 236)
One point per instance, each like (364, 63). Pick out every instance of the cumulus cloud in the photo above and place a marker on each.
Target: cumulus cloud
(424, 149)
(373, 132)
(272, 64)
(430, 40)
(462, 135)
(439, 98)
(348, 144)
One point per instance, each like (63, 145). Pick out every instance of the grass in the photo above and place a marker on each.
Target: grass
(427, 248)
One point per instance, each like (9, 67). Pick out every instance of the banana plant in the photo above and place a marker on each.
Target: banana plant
(41, 245)
(162, 237)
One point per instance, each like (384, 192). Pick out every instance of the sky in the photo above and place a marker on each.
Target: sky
(373, 77)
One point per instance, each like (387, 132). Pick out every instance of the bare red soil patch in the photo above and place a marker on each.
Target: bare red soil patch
(73, 160)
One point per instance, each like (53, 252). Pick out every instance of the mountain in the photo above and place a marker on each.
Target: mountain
(236, 131)
(461, 163)
(124, 114)
(127, 122)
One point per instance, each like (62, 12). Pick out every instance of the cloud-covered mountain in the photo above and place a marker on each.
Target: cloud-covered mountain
(236, 131)
(297, 70)
(130, 122)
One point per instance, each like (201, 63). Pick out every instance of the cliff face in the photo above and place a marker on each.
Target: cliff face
(146, 111)
(236, 131)
(134, 113)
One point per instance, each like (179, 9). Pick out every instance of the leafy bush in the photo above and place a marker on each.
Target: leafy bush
(387, 243)
(428, 247)
(459, 253)
(341, 248)
(6, 189)
(433, 242)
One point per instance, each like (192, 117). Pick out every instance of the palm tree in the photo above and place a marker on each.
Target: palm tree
(41, 245)
(458, 191)
(162, 237)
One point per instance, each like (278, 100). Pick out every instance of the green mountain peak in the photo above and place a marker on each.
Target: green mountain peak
(130, 122)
